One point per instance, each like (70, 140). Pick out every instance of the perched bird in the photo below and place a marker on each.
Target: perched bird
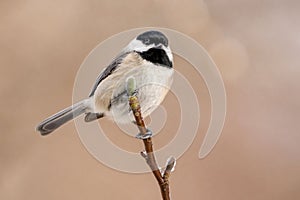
(148, 59)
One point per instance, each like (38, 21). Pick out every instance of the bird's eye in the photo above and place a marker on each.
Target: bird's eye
(147, 41)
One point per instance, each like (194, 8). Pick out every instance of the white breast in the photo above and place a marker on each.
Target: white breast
(153, 83)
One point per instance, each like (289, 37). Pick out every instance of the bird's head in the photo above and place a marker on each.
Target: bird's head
(152, 46)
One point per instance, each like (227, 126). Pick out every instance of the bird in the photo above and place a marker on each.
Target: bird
(147, 59)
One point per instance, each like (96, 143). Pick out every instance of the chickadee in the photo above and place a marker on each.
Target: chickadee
(148, 59)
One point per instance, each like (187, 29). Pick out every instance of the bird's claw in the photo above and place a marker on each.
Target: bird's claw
(144, 136)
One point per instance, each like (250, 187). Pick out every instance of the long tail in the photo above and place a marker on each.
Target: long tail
(60, 118)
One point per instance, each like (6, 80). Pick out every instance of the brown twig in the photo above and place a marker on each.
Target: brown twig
(148, 154)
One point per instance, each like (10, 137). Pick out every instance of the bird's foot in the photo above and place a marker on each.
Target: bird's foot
(144, 136)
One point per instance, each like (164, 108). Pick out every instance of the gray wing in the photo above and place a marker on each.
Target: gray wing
(109, 69)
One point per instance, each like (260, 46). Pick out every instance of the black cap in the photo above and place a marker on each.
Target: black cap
(153, 37)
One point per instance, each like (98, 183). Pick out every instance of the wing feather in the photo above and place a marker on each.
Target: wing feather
(108, 70)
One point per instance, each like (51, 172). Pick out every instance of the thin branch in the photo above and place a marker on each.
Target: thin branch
(148, 154)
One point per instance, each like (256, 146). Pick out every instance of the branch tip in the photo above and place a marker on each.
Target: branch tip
(171, 163)
(170, 167)
(130, 86)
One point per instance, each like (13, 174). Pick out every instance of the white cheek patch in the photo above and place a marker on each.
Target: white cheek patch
(137, 45)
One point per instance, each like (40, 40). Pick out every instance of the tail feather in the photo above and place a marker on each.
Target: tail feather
(60, 118)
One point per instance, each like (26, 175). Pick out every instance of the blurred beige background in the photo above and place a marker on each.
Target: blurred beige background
(255, 45)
